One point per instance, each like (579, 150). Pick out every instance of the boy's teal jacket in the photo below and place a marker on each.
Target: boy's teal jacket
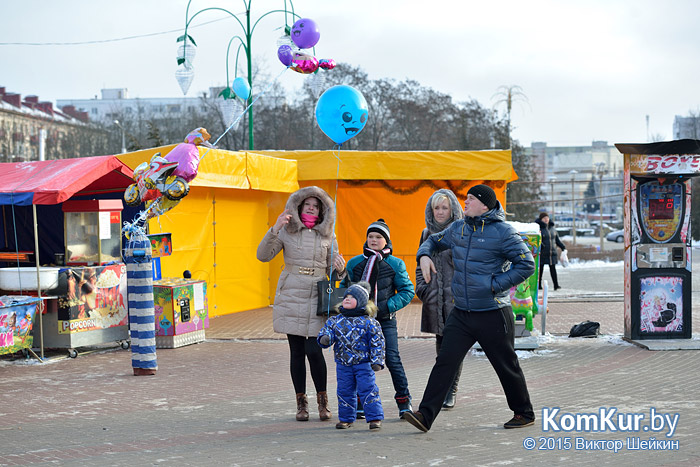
(394, 287)
(489, 257)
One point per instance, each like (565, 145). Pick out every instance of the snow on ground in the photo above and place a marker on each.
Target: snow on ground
(576, 263)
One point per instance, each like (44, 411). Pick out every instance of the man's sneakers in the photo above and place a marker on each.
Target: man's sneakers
(519, 421)
(404, 404)
(416, 419)
(343, 425)
(375, 425)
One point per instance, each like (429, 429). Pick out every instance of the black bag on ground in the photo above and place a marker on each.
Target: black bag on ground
(329, 295)
(585, 329)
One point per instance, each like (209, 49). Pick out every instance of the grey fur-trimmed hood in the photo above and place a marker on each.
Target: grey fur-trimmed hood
(457, 212)
(325, 228)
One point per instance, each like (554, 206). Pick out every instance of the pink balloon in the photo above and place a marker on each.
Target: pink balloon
(326, 63)
(187, 156)
(304, 63)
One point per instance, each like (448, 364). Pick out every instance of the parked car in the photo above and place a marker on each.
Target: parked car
(617, 236)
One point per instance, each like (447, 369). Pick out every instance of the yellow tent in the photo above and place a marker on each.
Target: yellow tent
(394, 186)
(216, 228)
(237, 196)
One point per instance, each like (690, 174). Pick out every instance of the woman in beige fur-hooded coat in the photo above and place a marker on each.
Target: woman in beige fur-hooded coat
(304, 234)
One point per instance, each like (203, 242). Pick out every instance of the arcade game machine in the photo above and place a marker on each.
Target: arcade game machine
(657, 207)
(524, 296)
(181, 305)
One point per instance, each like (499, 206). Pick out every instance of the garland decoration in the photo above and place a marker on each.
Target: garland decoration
(451, 184)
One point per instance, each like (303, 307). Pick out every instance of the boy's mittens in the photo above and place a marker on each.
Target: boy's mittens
(325, 340)
(376, 367)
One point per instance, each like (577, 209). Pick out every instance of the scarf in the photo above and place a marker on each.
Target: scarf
(308, 220)
(353, 312)
(370, 273)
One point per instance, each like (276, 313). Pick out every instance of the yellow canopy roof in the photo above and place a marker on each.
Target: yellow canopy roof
(492, 164)
(228, 169)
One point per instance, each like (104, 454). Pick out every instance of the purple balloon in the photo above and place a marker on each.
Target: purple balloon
(284, 53)
(305, 33)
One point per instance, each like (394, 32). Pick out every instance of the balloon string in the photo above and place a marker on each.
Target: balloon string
(237, 119)
(336, 153)
(135, 225)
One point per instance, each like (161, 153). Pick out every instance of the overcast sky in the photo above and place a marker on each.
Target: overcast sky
(590, 70)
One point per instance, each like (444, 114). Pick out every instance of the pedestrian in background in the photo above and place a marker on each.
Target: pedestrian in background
(304, 233)
(489, 257)
(358, 346)
(391, 290)
(442, 209)
(548, 251)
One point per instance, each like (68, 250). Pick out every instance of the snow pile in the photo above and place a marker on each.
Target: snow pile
(575, 263)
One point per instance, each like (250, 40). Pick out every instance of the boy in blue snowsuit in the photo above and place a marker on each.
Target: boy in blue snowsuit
(391, 290)
(358, 344)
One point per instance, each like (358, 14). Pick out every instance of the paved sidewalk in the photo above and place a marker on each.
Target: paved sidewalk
(229, 401)
(564, 312)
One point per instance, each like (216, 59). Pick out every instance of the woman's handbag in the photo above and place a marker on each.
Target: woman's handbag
(329, 295)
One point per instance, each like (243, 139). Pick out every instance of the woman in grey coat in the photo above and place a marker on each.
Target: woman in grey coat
(442, 209)
(304, 234)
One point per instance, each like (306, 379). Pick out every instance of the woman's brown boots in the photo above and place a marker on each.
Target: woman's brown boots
(302, 408)
(324, 412)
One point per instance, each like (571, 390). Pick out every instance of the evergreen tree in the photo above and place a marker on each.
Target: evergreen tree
(154, 134)
(591, 204)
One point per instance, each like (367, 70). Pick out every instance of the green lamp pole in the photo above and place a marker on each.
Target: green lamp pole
(245, 42)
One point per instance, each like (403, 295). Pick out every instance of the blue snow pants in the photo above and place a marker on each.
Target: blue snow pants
(357, 380)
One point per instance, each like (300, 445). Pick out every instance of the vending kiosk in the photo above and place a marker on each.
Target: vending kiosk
(657, 207)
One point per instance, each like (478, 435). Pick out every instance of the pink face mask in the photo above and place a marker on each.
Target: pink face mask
(308, 220)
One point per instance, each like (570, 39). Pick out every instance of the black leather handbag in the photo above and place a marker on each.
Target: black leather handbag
(329, 295)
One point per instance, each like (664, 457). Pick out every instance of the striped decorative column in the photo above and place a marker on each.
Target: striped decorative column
(142, 322)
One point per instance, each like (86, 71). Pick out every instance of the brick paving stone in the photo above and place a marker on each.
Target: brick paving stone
(230, 401)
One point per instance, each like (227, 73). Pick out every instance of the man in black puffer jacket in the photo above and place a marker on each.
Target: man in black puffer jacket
(489, 258)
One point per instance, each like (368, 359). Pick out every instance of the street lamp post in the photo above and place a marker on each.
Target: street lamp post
(116, 122)
(600, 169)
(573, 205)
(245, 42)
(551, 182)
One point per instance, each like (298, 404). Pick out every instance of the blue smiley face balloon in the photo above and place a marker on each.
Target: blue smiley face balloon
(341, 113)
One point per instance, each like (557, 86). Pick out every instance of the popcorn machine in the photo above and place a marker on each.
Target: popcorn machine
(92, 231)
(89, 306)
(658, 269)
